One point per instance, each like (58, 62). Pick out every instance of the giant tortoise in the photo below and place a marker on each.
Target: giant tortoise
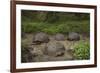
(73, 36)
(59, 37)
(54, 49)
(40, 38)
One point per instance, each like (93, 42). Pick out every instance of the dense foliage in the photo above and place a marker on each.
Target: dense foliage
(54, 22)
(82, 50)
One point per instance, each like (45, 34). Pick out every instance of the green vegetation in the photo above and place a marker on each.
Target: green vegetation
(82, 50)
(54, 22)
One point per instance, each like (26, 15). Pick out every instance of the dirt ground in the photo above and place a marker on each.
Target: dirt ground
(38, 49)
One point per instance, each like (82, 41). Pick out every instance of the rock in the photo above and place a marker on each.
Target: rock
(40, 38)
(59, 37)
(55, 49)
(73, 36)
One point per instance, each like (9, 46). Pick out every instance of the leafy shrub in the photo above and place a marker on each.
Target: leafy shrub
(82, 50)
(54, 22)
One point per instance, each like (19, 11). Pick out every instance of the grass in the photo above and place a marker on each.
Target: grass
(53, 28)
